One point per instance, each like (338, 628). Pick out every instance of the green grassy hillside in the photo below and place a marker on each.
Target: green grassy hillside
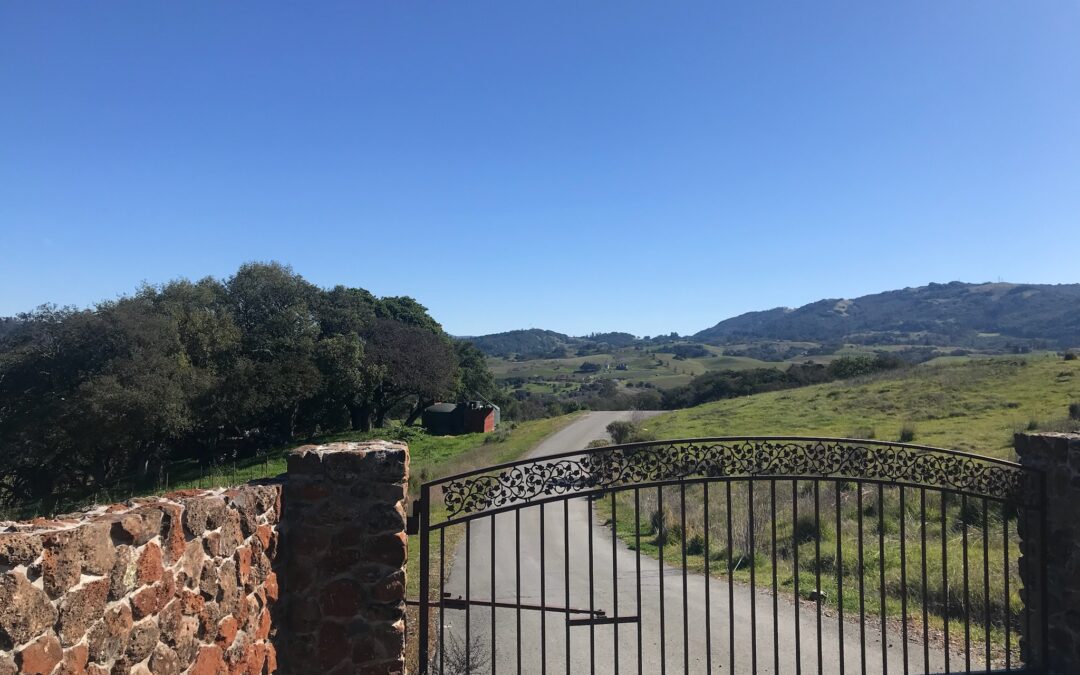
(975, 405)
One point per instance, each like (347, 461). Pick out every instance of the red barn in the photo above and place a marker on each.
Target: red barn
(471, 417)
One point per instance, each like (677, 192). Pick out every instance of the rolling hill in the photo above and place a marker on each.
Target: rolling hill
(955, 314)
(996, 317)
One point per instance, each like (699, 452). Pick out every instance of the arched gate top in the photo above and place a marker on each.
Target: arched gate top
(580, 472)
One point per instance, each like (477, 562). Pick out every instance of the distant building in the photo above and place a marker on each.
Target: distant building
(446, 419)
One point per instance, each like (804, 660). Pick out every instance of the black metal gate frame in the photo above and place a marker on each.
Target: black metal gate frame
(486, 492)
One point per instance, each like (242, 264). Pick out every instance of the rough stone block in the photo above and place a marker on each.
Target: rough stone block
(25, 610)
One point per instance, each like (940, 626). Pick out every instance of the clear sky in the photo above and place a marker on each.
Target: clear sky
(579, 166)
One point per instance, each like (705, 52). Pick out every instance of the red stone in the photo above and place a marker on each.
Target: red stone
(333, 645)
(210, 661)
(271, 658)
(270, 585)
(79, 609)
(342, 597)
(243, 564)
(263, 630)
(150, 600)
(172, 532)
(263, 532)
(256, 658)
(226, 632)
(390, 589)
(75, 660)
(150, 568)
(388, 549)
(40, 656)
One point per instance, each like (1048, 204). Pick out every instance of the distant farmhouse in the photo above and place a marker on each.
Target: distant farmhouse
(471, 417)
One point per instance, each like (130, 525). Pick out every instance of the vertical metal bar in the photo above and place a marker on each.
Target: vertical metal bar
(730, 580)
(517, 576)
(903, 576)
(637, 570)
(1025, 607)
(493, 652)
(986, 577)
(817, 568)
(862, 582)
(839, 575)
(442, 605)
(925, 591)
(592, 588)
(1044, 555)
(615, 579)
(795, 572)
(543, 596)
(945, 573)
(566, 575)
(1005, 508)
(881, 577)
(685, 587)
(708, 583)
(775, 594)
(967, 594)
(425, 580)
(753, 579)
(468, 595)
(660, 569)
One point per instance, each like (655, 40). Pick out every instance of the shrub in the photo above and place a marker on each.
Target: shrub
(621, 431)
(1074, 410)
(695, 544)
(1070, 356)
(806, 529)
(907, 433)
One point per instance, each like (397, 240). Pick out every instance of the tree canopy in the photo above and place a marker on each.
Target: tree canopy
(211, 368)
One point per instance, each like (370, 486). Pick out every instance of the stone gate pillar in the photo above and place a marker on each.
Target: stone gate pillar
(344, 530)
(1057, 596)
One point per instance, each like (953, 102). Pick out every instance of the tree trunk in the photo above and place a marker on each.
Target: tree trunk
(418, 410)
(360, 416)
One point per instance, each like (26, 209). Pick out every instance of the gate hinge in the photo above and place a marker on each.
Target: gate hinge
(412, 521)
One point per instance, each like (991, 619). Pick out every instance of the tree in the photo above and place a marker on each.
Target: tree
(411, 363)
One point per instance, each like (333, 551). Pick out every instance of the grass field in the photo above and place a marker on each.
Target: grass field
(974, 405)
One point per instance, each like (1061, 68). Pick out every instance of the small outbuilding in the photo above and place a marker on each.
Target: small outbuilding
(447, 419)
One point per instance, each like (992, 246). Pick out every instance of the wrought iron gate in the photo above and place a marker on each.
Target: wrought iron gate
(826, 556)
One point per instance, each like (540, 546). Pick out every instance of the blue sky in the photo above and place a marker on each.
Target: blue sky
(637, 166)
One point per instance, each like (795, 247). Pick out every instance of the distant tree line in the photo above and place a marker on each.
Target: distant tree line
(211, 368)
(720, 384)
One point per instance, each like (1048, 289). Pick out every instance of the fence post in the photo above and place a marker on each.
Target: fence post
(344, 534)
(1050, 553)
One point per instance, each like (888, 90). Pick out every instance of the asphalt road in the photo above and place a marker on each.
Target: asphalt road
(540, 645)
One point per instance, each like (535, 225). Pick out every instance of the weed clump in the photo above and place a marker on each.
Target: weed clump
(907, 433)
(660, 522)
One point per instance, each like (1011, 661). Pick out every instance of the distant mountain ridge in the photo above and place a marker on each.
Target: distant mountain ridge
(956, 313)
(953, 313)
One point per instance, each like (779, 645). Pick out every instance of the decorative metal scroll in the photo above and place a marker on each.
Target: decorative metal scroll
(606, 468)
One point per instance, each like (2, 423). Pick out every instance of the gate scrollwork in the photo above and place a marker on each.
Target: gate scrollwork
(619, 466)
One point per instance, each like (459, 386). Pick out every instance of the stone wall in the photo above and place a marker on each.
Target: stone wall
(180, 583)
(1058, 457)
(304, 574)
